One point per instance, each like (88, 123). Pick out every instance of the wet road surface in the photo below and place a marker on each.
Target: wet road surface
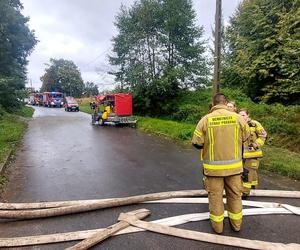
(64, 157)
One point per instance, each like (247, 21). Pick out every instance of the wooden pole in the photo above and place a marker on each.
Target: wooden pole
(217, 51)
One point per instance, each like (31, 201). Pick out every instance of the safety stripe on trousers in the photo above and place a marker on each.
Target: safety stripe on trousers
(237, 216)
(216, 218)
(254, 183)
(247, 184)
(253, 154)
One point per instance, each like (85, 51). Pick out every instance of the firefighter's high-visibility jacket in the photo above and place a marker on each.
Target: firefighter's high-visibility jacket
(258, 136)
(107, 108)
(104, 115)
(221, 133)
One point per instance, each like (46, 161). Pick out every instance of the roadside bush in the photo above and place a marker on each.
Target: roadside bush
(279, 126)
(281, 122)
(2, 112)
(189, 113)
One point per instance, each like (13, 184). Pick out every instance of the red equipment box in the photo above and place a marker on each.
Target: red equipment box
(122, 103)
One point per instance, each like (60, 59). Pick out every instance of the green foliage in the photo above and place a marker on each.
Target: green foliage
(281, 122)
(281, 161)
(263, 55)
(24, 111)
(276, 159)
(158, 50)
(90, 89)
(16, 44)
(85, 108)
(189, 113)
(12, 130)
(63, 76)
(3, 180)
(175, 130)
(2, 112)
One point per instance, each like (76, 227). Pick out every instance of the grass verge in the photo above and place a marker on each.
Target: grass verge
(12, 129)
(277, 160)
(85, 108)
(25, 111)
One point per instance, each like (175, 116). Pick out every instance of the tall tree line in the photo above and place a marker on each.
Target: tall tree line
(263, 53)
(16, 43)
(158, 50)
(64, 76)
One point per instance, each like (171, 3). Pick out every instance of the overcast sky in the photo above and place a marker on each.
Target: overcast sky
(81, 31)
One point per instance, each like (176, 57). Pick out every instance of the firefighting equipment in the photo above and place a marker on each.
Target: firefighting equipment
(221, 134)
(245, 175)
(215, 186)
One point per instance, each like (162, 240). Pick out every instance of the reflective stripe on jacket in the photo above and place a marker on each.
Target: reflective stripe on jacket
(221, 133)
(258, 136)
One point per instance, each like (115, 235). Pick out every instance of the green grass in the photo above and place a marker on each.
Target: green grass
(24, 111)
(12, 129)
(171, 129)
(281, 161)
(85, 108)
(281, 122)
(277, 160)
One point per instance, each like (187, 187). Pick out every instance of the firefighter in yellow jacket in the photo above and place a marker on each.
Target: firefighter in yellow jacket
(220, 136)
(252, 152)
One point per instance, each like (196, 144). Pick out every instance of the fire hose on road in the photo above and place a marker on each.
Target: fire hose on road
(22, 210)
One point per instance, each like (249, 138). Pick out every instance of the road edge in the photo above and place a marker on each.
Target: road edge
(4, 164)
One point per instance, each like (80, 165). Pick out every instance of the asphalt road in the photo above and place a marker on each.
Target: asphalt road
(64, 157)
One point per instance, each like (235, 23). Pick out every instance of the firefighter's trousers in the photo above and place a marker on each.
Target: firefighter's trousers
(233, 189)
(252, 166)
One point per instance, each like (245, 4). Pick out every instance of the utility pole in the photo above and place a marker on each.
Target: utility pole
(217, 52)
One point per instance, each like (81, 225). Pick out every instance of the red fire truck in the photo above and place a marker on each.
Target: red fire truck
(118, 108)
(38, 99)
(53, 99)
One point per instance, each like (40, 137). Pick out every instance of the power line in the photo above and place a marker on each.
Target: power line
(97, 57)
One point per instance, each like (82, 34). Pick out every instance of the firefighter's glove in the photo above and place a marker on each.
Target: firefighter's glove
(253, 146)
(245, 175)
(197, 146)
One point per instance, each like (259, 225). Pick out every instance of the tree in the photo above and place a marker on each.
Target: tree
(90, 89)
(158, 51)
(264, 50)
(16, 43)
(63, 76)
